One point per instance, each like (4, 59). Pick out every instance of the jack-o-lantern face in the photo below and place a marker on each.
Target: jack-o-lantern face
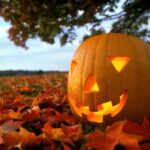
(104, 78)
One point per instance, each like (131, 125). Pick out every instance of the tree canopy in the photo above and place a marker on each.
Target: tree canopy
(48, 19)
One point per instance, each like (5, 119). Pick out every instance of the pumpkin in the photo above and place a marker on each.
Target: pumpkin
(109, 78)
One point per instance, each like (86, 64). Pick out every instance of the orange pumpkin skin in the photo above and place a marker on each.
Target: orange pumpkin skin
(92, 66)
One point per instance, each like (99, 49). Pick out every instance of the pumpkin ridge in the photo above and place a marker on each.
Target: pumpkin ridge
(135, 78)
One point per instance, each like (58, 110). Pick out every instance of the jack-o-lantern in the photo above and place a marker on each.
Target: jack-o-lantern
(109, 78)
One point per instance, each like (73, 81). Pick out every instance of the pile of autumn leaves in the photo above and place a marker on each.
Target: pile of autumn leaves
(34, 115)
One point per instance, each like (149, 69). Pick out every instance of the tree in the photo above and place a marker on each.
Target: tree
(49, 19)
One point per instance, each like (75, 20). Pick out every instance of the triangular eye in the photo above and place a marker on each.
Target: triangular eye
(91, 85)
(119, 62)
(74, 64)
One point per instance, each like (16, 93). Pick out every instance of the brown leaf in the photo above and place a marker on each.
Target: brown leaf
(10, 126)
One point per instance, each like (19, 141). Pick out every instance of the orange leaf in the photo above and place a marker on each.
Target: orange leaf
(32, 139)
(72, 132)
(129, 140)
(29, 138)
(11, 138)
(53, 133)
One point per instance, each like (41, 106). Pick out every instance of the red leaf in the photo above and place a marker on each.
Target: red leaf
(98, 140)
(66, 147)
(146, 123)
(1, 140)
(134, 128)
(145, 146)
(31, 115)
(62, 117)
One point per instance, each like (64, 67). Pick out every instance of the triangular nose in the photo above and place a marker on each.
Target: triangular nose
(119, 62)
(91, 85)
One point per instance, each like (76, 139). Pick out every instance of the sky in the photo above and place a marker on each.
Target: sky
(40, 55)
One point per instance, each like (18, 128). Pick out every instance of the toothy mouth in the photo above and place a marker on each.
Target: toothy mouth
(102, 109)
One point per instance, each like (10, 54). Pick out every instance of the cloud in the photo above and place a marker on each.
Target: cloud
(40, 55)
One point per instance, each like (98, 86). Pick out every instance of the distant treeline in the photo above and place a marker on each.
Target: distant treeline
(25, 72)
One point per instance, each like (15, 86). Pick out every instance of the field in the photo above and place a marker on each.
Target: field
(35, 115)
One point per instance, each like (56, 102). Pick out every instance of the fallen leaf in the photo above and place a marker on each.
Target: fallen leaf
(1, 140)
(99, 141)
(128, 140)
(53, 133)
(30, 115)
(72, 132)
(62, 117)
(11, 138)
(135, 128)
(10, 126)
(66, 147)
(145, 146)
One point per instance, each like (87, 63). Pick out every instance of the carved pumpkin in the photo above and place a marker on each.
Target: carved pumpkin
(109, 78)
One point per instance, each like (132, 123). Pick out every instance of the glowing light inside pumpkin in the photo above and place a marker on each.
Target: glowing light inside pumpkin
(108, 108)
(74, 64)
(91, 85)
(119, 62)
(102, 109)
